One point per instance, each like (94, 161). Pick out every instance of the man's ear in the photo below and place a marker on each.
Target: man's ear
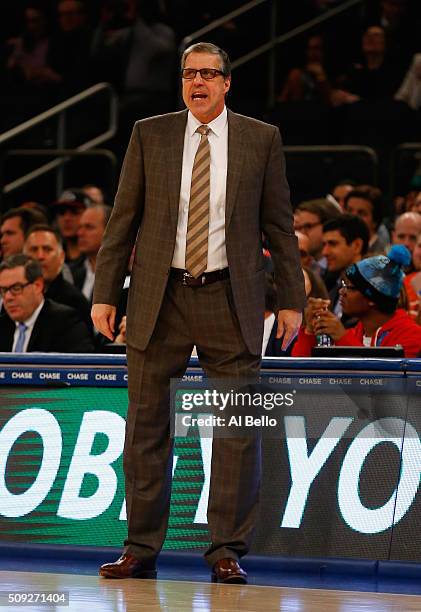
(357, 245)
(227, 84)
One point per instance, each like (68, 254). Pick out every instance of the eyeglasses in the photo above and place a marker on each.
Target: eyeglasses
(347, 287)
(15, 289)
(206, 73)
(305, 227)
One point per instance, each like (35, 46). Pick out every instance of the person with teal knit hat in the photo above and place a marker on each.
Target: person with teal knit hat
(370, 292)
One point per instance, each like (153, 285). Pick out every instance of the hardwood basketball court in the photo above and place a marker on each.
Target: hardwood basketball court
(92, 594)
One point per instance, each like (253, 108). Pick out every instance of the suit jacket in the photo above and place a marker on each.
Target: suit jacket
(146, 207)
(78, 271)
(58, 329)
(64, 292)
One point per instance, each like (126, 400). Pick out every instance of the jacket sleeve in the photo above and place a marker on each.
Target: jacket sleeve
(277, 225)
(120, 234)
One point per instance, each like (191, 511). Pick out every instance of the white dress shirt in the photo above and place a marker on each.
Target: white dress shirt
(29, 328)
(218, 143)
(88, 285)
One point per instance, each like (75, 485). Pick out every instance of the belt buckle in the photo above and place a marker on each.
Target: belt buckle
(186, 275)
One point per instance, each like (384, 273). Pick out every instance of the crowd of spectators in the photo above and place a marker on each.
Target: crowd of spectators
(359, 80)
(365, 283)
(360, 69)
(362, 273)
(47, 272)
(51, 49)
(56, 48)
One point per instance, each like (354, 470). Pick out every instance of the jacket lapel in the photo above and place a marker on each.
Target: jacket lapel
(235, 163)
(38, 330)
(7, 332)
(175, 138)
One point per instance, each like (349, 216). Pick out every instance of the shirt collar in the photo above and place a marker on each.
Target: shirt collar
(34, 316)
(216, 125)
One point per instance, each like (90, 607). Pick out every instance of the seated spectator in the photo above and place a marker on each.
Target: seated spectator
(43, 210)
(370, 293)
(406, 230)
(405, 200)
(27, 65)
(410, 89)
(310, 82)
(68, 210)
(416, 207)
(44, 245)
(345, 241)
(140, 61)
(316, 285)
(31, 322)
(69, 51)
(374, 78)
(309, 218)
(400, 24)
(341, 190)
(304, 248)
(412, 281)
(365, 201)
(14, 225)
(91, 230)
(94, 192)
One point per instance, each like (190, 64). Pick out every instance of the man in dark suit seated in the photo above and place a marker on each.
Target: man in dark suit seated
(91, 230)
(44, 244)
(31, 322)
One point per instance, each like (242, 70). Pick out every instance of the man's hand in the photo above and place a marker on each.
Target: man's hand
(289, 322)
(328, 323)
(103, 316)
(312, 311)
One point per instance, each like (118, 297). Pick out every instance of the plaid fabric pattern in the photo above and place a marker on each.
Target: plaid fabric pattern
(146, 211)
(223, 319)
(203, 317)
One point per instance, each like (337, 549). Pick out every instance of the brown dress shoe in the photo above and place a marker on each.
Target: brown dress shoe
(127, 566)
(228, 571)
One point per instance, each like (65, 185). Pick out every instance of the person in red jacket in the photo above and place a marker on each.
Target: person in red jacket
(370, 292)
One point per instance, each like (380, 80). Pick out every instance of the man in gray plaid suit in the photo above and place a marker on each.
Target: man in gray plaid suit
(198, 188)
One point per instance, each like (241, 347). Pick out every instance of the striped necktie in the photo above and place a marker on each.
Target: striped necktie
(198, 223)
(21, 338)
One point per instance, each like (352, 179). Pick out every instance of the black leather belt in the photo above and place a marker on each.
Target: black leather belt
(207, 278)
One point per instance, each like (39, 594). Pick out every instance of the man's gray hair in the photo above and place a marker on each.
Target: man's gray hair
(204, 47)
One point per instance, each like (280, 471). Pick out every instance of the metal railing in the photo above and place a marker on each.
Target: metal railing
(63, 154)
(274, 40)
(399, 159)
(66, 155)
(329, 164)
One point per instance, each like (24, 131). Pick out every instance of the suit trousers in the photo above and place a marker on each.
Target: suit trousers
(203, 316)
